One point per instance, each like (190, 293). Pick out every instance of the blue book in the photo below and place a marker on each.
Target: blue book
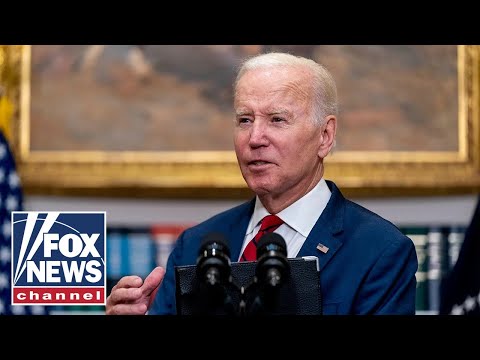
(141, 253)
(114, 254)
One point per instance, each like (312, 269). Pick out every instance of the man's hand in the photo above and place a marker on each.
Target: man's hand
(132, 296)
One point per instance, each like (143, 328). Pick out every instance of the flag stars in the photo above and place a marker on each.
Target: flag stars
(4, 255)
(11, 203)
(18, 310)
(470, 303)
(7, 228)
(3, 281)
(2, 176)
(467, 307)
(37, 310)
(13, 180)
(457, 310)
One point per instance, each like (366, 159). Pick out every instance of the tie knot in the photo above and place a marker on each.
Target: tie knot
(270, 223)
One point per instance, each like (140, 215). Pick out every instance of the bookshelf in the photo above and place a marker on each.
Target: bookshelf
(437, 250)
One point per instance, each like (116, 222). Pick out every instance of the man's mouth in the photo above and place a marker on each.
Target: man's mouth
(258, 162)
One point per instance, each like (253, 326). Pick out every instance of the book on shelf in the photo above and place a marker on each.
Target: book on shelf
(116, 253)
(141, 253)
(164, 237)
(437, 264)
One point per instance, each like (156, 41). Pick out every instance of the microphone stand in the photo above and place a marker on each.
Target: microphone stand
(252, 299)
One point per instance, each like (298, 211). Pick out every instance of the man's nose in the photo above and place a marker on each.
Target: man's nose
(258, 135)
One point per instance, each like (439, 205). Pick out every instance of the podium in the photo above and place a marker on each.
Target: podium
(299, 293)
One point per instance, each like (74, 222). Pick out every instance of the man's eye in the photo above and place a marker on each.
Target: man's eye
(277, 119)
(243, 120)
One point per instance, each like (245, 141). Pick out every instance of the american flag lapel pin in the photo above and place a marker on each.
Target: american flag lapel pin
(322, 248)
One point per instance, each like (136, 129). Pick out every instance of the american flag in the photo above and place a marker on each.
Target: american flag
(322, 248)
(11, 199)
(460, 290)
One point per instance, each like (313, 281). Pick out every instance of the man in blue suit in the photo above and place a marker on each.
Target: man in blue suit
(285, 125)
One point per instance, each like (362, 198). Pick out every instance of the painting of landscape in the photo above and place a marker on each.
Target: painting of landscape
(179, 97)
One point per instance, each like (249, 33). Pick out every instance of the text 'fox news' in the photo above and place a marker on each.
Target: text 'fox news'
(58, 258)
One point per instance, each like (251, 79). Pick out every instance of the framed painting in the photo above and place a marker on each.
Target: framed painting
(156, 120)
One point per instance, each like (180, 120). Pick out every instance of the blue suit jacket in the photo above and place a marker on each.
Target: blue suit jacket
(369, 268)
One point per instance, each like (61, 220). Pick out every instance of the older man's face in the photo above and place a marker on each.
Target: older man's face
(276, 142)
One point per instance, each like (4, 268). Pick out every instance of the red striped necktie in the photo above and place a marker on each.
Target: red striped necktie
(269, 224)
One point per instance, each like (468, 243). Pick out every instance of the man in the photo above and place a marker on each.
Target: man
(285, 126)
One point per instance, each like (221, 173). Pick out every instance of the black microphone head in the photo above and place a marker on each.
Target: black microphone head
(214, 240)
(272, 264)
(271, 242)
(213, 261)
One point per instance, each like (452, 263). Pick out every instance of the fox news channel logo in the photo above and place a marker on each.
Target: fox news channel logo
(58, 258)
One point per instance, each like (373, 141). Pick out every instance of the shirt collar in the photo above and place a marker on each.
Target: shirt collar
(302, 214)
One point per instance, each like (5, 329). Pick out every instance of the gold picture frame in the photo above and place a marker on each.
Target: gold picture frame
(215, 174)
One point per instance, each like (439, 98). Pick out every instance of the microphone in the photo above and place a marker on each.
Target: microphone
(272, 265)
(213, 261)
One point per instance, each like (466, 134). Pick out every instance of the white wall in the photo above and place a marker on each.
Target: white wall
(456, 210)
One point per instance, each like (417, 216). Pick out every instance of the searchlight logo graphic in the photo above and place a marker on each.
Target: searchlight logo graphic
(58, 258)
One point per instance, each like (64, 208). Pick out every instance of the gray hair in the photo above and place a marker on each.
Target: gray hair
(324, 88)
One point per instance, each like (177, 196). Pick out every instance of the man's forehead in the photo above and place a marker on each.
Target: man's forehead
(271, 110)
(271, 82)
(275, 99)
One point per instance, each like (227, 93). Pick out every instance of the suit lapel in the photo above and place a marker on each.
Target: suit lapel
(326, 230)
(238, 229)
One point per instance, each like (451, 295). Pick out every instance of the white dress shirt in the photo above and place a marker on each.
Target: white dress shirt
(299, 218)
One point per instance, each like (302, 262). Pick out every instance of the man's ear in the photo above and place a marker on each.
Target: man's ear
(329, 129)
